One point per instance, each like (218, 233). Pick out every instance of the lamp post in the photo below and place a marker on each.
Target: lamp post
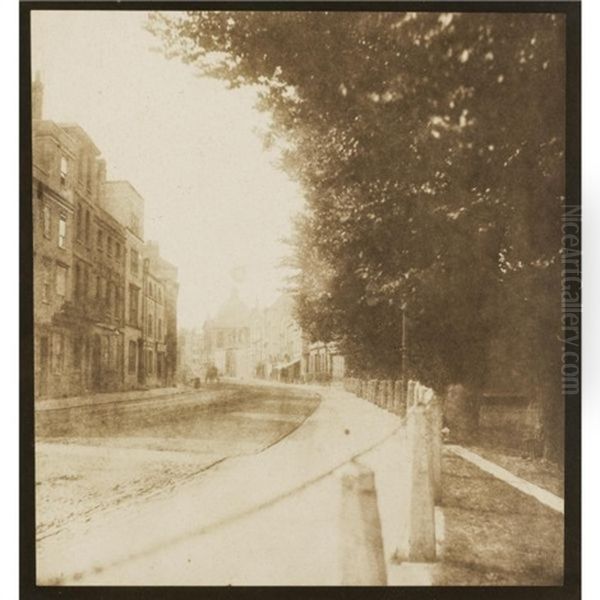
(404, 352)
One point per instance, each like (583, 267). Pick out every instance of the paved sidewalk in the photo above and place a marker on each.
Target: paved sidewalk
(541, 495)
(267, 518)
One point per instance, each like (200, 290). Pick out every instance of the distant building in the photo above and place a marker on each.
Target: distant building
(268, 343)
(282, 342)
(325, 363)
(162, 277)
(227, 339)
(192, 361)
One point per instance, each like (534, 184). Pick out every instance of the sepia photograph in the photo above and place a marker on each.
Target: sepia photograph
(304, 295)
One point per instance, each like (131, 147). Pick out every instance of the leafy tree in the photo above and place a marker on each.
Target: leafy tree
(431, 150)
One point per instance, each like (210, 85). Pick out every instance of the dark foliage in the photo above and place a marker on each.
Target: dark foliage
(431, 151)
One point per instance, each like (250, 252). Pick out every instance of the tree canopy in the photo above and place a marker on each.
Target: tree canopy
(430, 147)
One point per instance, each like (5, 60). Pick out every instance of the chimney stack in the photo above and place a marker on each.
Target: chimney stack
(37, 97)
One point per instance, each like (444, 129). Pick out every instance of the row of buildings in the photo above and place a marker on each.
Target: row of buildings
(105, 301)
(262, 343)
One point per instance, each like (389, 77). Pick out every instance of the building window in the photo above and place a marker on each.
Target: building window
(61, 281)
(99, 240)
(64, 170)
(86, 282)
(79, 222)
(118, 252)
(160, 329)
(150, 318)
(150, 365)
(109, 246)
(47, 221)
(111, 352)
(98, 286)
(134, 261)
(108, 297)
(46, 284)
(62, 231)
(133, 305)
(159, 364)
(77, 345)
(87, 226)
(77, 289)
(135, 224)
(117, 303)
(104, 350)
(58, 351)
(132, 357)
(90, 170)
(80, 169)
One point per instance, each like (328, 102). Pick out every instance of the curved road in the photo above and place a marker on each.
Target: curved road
(97, 458)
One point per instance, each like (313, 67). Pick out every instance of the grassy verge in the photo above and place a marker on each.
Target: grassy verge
(496, 535)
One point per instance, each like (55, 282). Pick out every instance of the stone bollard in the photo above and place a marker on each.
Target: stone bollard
(361, 554)
(399, 398)
(389, 395)
(411, 390)
(381, 394)
(421, 539)
(373, 391)
(436, 447)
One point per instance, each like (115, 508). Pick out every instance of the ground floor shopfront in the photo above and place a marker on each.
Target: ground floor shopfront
(75, 359)
(72, 361)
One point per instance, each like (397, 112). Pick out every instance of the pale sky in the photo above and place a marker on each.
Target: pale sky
(214, 198)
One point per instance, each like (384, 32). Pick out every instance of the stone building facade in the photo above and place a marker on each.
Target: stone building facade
(164, 278)
(53, 211)
(127, 206)
(89, 258)
(227, 339)
(192, 361)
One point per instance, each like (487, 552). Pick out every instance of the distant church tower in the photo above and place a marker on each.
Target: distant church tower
(37, 97)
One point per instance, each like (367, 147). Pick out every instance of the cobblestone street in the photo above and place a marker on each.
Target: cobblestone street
(138, 450)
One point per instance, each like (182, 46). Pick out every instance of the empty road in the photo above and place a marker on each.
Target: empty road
(97, 458)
